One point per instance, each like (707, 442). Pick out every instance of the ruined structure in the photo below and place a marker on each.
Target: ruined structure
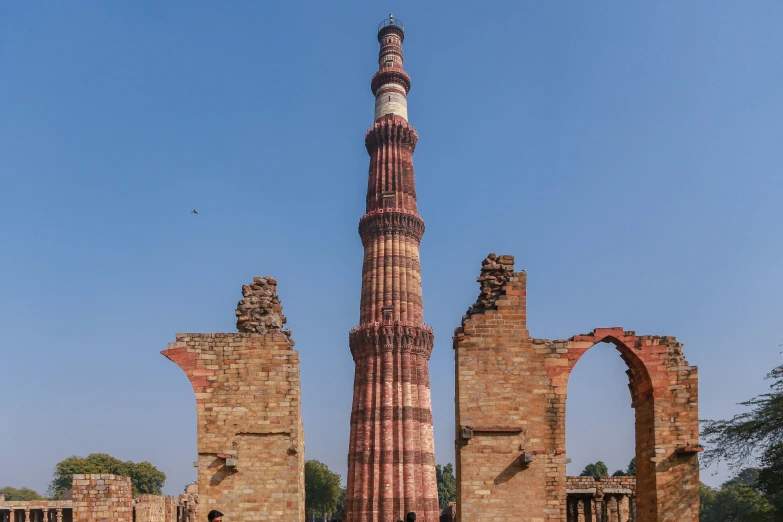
(103, 498)
(510, 412)
(610, 499)
(391, 462)
(250, 436)
(36, 510)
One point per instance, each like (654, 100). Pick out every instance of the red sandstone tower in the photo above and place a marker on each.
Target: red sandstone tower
(391, 461)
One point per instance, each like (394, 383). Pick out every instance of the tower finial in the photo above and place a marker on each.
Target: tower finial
(391, 17)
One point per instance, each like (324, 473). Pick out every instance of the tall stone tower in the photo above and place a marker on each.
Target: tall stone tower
(391, 461)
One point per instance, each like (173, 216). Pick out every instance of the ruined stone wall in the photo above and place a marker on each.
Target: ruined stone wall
(149, 508)
(610, 484)
(510, 412)
(170, 505)
(610, 499)
(102, 498)
(250, 436)
(32, 510)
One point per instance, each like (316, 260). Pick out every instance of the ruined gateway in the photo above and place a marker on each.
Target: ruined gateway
(510, 417)
(510, 388)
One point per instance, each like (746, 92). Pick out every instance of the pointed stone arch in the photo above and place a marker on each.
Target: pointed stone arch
(510, 399)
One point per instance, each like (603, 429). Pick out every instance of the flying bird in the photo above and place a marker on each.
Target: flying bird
(193, 211)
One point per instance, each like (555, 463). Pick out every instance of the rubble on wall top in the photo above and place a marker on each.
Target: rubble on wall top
(495, 271)
(260, 310)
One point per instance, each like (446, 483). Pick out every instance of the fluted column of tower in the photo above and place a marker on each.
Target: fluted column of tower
(391, 461)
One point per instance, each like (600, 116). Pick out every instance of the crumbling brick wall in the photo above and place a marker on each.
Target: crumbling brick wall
(102, 498)
(612, 499)
(250, 435)
(510, 412)
(149, 508)
(170, 509)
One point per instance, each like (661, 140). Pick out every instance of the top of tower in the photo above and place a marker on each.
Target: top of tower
(391, 25)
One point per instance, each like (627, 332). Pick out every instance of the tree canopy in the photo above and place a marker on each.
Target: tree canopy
(770, 477)
(629, 472)
(322, 489)
(751, 434)
(735, 501)
(447, 484)
(145, 478)
(21, 494)
(754, 435)
(596, 470)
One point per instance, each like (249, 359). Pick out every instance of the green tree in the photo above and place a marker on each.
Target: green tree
(339, 511)
(756, 434)
(631, 471)
(748, 477)
(596, 470)
(447, 484)
(770, 477)
(734, 502)
(706, 502)
(21, 494)
(750, 434)
(322, 489)
(145, 478)
(619, 473)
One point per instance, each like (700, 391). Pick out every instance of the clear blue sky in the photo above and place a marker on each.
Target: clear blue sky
(628, 155)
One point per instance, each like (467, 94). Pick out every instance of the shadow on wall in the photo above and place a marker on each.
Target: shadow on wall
(222, 473)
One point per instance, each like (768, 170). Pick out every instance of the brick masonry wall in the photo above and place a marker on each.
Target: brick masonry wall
(248, 404)
(248, 409)
(102, 498)
(170, 509)
(149, 508)
(610, 483)
(510, 412)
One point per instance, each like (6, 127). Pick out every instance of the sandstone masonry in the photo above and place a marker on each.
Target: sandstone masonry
(248, 404)
(102, 498)
(510, 412)
(391, 455)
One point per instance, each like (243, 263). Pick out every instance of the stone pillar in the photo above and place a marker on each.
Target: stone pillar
(59, 515)
(633, 508)
(27, 515)
(46, 514)
(624, 508)
(580, 510)
(614, 510)
(597, 509)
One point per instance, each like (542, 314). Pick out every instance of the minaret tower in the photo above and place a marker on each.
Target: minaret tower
(391, 461)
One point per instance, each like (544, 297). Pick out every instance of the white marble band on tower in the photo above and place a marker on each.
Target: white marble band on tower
(390, 100)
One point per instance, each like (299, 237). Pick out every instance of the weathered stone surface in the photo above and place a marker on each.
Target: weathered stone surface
(260, 310)
(102, 498)
(248, 405)
(510, 402)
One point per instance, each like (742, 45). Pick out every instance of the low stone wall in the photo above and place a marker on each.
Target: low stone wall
(99, 498)
(155, 508)
(102, 498)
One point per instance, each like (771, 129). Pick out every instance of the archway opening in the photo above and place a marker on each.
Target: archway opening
(600, 436)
